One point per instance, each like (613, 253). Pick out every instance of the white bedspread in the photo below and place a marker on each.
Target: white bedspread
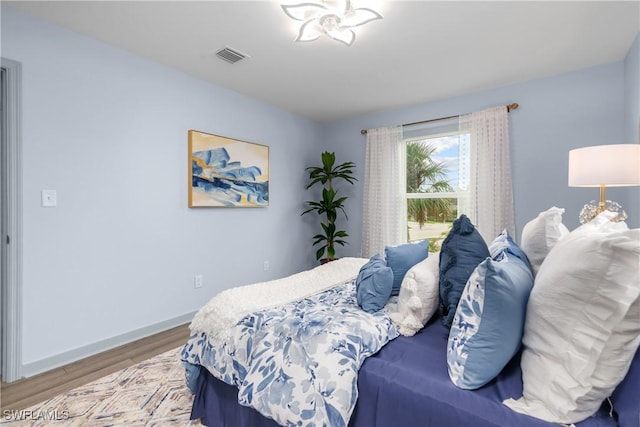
(227, 308)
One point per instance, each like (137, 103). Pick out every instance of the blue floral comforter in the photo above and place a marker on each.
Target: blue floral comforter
(298, 364)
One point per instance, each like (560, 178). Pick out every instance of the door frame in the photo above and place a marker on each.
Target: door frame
(11, 367)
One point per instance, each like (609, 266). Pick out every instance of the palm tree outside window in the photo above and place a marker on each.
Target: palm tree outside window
(435, 173)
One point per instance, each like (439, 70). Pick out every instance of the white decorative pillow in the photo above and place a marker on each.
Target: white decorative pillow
(419, 296)
(582, 329)
(541, 234)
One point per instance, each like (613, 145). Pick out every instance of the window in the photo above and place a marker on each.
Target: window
(437, 174)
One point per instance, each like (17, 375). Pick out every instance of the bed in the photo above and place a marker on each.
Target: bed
(393, 380)
(405, 384)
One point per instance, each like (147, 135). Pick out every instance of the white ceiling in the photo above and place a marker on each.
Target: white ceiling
(421, 51)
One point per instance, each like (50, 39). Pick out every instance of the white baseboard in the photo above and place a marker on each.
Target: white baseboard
(62, 359)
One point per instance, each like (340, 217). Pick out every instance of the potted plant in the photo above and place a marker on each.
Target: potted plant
(329, 205)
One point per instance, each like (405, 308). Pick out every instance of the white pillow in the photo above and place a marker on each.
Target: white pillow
(419, 296)
(541, 234)
(582, 328)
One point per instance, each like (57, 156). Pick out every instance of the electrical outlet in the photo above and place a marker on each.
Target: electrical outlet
(197, 281)
(265, 265)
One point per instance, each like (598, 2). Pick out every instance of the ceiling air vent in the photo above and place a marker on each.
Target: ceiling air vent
(231, 55)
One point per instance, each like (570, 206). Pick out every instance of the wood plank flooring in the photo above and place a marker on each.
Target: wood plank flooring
(24, 393)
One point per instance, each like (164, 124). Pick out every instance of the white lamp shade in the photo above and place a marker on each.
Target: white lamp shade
(616, 165)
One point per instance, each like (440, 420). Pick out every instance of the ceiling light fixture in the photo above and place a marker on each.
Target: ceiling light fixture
(333, 18)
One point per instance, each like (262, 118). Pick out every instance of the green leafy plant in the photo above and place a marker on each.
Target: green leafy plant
(330, 204)
(425, 175)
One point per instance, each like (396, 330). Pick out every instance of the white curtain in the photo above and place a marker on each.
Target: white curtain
(385, 208)
(487, 198)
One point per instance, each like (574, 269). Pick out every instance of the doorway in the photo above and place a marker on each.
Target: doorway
(11, 223)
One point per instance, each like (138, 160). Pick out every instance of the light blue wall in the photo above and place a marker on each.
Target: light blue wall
(632, 92)
(556, 114)
(632, 120)
(108, 130)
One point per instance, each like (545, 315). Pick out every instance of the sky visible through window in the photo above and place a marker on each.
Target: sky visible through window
(452, 151)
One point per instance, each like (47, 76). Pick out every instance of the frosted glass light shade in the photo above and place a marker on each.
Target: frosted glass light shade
(616, 165)
(333, 18)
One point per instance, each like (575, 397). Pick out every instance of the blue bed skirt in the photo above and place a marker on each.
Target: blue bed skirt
(405, 384)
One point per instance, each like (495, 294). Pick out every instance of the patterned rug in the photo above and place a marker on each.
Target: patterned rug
(151, 393)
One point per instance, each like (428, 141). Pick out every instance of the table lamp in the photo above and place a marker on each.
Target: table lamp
(616, 165)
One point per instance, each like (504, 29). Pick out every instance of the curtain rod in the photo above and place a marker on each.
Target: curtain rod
(512, 106)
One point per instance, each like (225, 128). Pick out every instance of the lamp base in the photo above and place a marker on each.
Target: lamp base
(592, 209)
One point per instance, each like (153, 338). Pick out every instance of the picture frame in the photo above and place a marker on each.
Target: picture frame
(226, 172)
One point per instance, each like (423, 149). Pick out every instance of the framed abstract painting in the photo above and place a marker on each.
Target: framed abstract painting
(226, 172)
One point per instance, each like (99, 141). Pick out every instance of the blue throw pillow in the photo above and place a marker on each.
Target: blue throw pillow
(461, 252)
(373, 284)
(504, 244)
(489, 321)
(402, 257)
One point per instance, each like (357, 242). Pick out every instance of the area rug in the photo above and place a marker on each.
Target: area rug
(151, 393)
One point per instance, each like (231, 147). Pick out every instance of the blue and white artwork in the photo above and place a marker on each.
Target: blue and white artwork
(226, 172)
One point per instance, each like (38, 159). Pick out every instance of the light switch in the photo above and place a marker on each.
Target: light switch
(49, 198)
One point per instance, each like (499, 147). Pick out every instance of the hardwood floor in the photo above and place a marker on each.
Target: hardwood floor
(24, 393)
